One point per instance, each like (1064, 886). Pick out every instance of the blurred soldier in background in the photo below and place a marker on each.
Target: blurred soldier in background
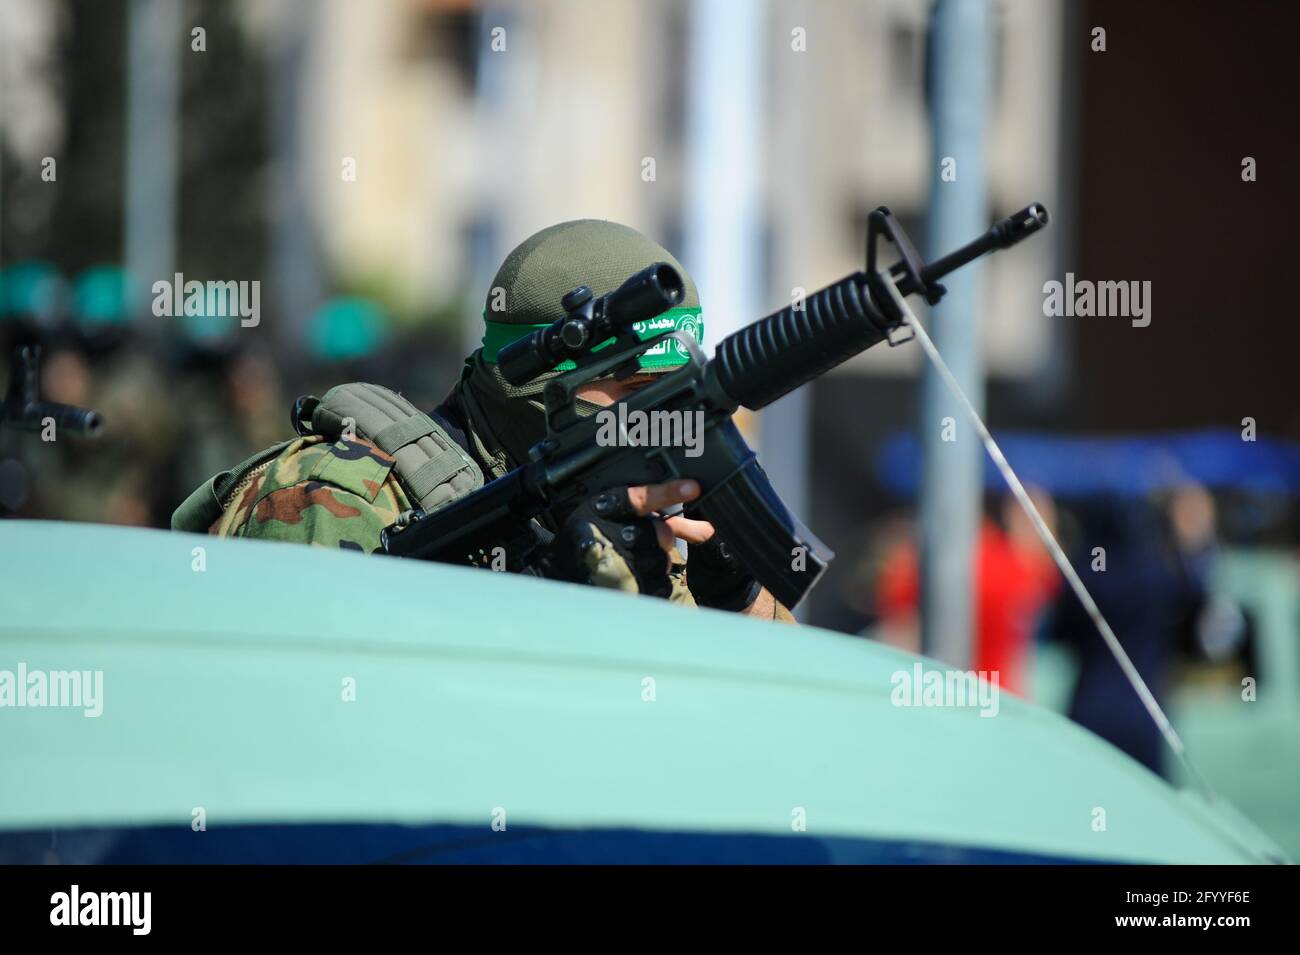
(364, 456)
(1151, 562)
(93, 357)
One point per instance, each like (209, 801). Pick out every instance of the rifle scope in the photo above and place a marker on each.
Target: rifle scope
(590, 321)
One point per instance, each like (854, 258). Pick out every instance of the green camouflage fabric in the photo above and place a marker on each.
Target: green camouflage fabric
(341, 495)
(337, 495)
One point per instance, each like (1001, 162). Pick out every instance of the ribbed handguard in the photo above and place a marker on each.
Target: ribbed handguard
(775, 355)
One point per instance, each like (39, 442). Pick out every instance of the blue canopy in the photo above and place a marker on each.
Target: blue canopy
(1080, 466)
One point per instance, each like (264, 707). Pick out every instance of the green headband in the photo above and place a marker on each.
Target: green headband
(667, 354)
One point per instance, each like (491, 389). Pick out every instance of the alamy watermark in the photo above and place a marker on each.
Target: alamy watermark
(651, 429)
(208, 299)
(939, 688)
(75, 907)
(1085, 298)
(53, 688)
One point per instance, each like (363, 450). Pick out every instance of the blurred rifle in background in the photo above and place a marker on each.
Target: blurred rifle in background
(23, 408)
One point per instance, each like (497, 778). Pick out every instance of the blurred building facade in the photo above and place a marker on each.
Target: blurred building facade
(472, 126)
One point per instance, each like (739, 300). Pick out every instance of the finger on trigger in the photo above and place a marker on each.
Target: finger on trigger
(690, 530)
(655, 497)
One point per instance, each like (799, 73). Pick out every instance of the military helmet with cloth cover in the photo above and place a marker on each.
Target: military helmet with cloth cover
(525, 295)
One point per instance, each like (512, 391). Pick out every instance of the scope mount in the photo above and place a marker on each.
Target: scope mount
(619, 357)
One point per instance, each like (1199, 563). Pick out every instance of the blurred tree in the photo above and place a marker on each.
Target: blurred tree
(223, 147)
(224, 150)
(83, 225)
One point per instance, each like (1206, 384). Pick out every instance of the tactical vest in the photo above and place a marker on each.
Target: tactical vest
(430, 466)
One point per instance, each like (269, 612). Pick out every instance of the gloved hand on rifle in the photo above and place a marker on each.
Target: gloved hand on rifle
(608, 543)
(620, 539)
(717, 579)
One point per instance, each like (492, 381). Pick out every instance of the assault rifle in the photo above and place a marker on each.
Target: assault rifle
(23, 408)
(752, 368)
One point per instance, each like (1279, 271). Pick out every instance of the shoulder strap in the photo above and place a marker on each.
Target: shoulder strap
(432, 467)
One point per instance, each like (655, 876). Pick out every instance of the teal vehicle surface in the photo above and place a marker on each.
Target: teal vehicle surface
(276, 703)
(1241, 723)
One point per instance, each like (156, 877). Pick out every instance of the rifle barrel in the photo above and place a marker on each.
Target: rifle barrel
(1002, 234)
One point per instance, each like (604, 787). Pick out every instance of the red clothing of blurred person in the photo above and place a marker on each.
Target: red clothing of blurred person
(1015, 579)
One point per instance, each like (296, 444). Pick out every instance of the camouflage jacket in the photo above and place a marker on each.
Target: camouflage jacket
(339, 494)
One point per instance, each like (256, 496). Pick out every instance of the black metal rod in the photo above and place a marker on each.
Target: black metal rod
(1001, 234)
